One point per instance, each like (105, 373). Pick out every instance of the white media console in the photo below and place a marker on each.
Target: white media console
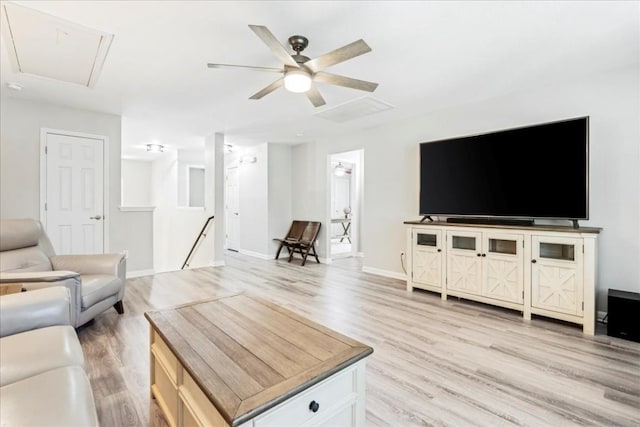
(544, 270)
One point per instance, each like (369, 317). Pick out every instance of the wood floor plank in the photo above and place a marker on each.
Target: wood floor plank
(436, 363)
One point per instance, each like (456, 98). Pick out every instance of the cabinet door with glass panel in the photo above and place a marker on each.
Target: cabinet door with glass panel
(427, 258)
(464, 261)
(503, 267)
(557, 274)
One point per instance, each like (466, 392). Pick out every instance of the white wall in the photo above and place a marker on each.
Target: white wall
(392, 162)
(265, 189)
(176, 228)
(20, 170)
(136, 183)
(187, 158)
(254, 192)
(279, 197)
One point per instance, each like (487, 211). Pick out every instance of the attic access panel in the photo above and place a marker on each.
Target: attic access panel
(44, 45)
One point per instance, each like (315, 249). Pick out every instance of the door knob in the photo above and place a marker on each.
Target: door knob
(314, 406)
(96, 217)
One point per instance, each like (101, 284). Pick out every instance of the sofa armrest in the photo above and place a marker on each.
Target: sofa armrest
(37, 276)
(110, 264)
(46, 279)
(35, 309)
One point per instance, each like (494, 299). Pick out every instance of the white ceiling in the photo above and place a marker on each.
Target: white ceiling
(425, 56)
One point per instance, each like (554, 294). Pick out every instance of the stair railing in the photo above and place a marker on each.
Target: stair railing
(195, 244)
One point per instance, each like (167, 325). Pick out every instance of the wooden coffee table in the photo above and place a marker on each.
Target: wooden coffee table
(241, 360)
(10, 288)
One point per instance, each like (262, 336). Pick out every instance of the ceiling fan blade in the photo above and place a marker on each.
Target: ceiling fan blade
(267, 90)
(338, 80)
(250, 67)
(314, 96)
(339, 55)
(270, 40)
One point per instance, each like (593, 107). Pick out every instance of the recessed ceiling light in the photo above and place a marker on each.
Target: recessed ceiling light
(300, 134)
(14, 86)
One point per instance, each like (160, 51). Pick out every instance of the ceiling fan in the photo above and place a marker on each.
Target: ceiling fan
(300, 72)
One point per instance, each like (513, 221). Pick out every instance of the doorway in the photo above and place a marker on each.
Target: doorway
(232, 211)
(73, 195)
(346, 172)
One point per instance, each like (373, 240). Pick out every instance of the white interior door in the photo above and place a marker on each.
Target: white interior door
(74, 193)
(233, 209)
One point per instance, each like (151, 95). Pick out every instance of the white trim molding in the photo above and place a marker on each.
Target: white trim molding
(136, 208)
(255, 254)
(385, 273)
(217, 264)
(139, 273)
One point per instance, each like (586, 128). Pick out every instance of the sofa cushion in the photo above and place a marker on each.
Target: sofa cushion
(61, 397)
(34, 352)
(96, 287)
(19, 233)
(25, 259)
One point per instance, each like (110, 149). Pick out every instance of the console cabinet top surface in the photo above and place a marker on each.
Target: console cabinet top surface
(248, 354)
(556, 228)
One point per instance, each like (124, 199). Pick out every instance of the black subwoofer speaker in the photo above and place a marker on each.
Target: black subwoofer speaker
(624, 315)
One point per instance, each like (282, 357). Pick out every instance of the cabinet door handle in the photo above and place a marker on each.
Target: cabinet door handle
(479, 255)
(484, 255)
(533, 261)
(439, 250)
(314, 406)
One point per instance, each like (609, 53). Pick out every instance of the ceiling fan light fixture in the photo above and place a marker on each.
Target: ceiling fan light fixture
(297, 81)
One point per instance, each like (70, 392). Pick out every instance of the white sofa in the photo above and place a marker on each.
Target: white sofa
(42, 376)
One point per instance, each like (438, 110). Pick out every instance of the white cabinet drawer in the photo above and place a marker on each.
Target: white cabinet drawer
(330, 395)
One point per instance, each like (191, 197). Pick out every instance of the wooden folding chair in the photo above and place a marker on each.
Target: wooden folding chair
(307, 243)
(293, 236)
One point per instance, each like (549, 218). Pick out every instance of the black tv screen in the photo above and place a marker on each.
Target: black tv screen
(539, 171)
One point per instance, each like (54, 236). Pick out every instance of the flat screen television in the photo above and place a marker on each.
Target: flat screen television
(539, 171)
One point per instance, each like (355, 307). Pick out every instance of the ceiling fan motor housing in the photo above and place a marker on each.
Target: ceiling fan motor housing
(298, 43)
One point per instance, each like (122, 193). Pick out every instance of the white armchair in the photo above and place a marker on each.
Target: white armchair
(96, 282)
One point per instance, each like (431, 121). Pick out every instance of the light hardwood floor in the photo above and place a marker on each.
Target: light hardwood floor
(434, 363)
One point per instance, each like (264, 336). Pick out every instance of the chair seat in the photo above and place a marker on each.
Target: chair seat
(96, 287)
(38, 401)
(34, 352)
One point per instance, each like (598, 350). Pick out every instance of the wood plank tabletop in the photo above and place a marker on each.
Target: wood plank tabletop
(248, 354)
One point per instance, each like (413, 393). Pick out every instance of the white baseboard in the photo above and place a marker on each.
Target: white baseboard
(217, 264)
(255, 254)
(600, 315)
(360, 254)
(385, 273)
(323, 260)
(139, 273)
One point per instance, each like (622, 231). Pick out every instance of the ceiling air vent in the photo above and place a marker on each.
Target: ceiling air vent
(354, 109)
(47, 46)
